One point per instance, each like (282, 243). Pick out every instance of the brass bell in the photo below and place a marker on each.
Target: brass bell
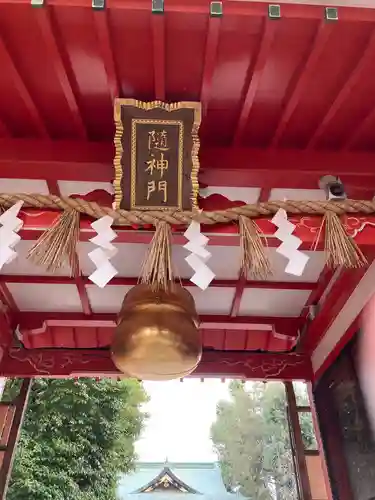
(157, 336)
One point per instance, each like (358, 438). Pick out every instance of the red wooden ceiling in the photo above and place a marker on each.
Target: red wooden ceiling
(296, 82)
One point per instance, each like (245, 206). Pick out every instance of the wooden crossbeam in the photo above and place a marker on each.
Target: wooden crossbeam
(19, 362)
(245, 167)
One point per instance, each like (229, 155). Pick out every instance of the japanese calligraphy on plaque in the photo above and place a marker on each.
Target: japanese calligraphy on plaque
(156, 162)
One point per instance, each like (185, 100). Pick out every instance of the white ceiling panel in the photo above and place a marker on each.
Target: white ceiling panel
(45, 297)
(267, 302)
(28, 186)
(22, 265)
(214, 300)
(69, 188)
(128, 261)
(297, 194)
(108, 299)
(311, 273)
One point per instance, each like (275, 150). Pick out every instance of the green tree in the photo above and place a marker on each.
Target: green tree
(251, 437)
(77, 437)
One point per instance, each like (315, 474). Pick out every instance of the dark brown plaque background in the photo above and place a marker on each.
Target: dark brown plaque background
(129, 114)
(139, 175)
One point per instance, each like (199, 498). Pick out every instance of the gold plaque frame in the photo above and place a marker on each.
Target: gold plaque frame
(148, 106)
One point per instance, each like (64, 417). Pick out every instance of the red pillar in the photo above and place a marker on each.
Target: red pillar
(11, 418)
(298, 448)
(319, 441)
(11, 412)
(311, 471)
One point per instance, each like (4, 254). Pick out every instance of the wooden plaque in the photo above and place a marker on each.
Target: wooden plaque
(156, 162)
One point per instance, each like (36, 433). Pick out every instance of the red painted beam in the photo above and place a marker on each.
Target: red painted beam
(283, 168)
(79, 281)
(303, 79)
(53, 187)
(288, 327)
(333, 3)
(236, 303)
(342, 97)
(335, 353)
(357, 132)
(5, 328)
(307, 227)
(321, 286)
(254, 76)
(56, 160)
(212, 43)
(225, 235)
(264, 195)
(19, 404)
(350, 10)
(4, 130)
(332, 304)
(50, 35)
(158, 44)
(6, 297)
(19, 362)
(9, 67)
(105, 47)
(120, 281)
(84, 161)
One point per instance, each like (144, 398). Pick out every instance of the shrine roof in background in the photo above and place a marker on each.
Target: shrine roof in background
(284, 101)
(195, 479)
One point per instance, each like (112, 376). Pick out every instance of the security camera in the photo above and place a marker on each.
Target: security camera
(333, 187)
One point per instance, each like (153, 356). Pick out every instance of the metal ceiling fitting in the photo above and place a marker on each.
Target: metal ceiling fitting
(312, 311)
(37, 3)
(331, 14)
(98, 4)
(216, 9)
(157, 6)
(274, 11)
(333, 187)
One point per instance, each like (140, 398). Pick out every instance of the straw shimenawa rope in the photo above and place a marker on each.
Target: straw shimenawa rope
(157, 268)
(126, 218)
(340, 248)
(57, 246)
(255, 263)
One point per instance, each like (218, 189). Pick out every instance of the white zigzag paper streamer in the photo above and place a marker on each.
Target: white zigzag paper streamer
(198, 257)
(290, 244)
(10, 224)
(101, 256)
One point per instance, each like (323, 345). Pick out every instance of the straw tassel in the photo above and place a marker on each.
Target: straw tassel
(254, 260)
(58, 244)
(340, 247)
(157, 268)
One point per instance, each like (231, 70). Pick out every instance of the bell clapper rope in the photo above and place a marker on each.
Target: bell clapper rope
(157, 269)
